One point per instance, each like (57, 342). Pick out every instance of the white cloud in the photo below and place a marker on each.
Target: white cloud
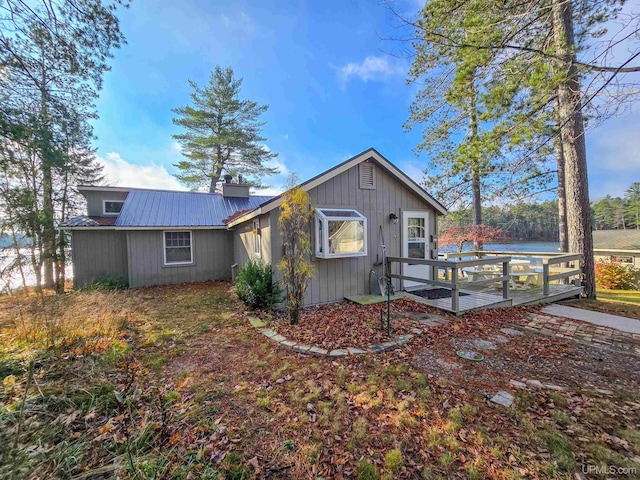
(239, 23)
(370, 69)
(271, 191)
(275, 163)
(119, 172)
(176, 147)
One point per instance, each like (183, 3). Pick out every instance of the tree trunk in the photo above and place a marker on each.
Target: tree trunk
(46, 166)
(215, 175)
(580, 239)
(48, 224)
(562, 197)
(475, 167)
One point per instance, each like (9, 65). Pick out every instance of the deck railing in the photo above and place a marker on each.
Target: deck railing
(564, 272)
(452, 265)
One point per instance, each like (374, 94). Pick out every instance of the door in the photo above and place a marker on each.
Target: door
(415, 230)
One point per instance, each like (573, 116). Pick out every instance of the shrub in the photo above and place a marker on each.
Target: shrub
(296, 268)
(616, 276)
(255, 286)
(367, 471)
(107, 282)
(393, 461)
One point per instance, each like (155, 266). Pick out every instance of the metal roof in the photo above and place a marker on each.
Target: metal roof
(85, 221)
(153, 208)
(616, 239)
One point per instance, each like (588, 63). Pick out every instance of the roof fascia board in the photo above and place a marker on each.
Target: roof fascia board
(92, 188)
(95, 227)
(176, 227)
(113, 227)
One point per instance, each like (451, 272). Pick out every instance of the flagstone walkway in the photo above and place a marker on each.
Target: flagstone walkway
(582, 332)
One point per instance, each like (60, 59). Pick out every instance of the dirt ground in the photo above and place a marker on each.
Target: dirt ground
(181, 386)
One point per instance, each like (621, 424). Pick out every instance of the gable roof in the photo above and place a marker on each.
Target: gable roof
(616, 239)
(154, 209)
(369, 154)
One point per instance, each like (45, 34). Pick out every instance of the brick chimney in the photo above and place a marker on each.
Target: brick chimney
(237, 190)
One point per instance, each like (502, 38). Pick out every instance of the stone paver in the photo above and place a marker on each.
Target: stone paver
(585, 333)
(511, 331)
(339, 352)
(483, 344)
(256, 322)
(503, 398)
(622, 324)
(288, 343)
(402, 339)
(302, 348)
(318, 350)
(279, 338)
(267, 332)
(499, 339)
(356, 351)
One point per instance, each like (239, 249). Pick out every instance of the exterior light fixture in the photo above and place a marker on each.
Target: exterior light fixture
(393, 218)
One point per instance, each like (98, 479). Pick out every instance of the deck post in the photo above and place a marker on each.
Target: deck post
(505, 282)
(545, 278)
(455, 292)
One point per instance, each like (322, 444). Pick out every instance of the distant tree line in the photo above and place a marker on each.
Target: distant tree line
(539, 221)
(524, 221)
(618, 213)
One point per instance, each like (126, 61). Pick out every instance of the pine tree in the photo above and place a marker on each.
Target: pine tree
(53, 55)
(223, 134)
(545, 35)
(632, 207)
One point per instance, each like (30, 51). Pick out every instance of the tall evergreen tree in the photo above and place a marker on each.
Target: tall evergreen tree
(223, 134)
(632, 199)
(537, 33)
(53, 55)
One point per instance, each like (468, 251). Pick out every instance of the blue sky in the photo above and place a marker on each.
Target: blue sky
(324, 69)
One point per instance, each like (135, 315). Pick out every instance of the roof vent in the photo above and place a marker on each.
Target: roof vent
(227, 178)
(367, 176)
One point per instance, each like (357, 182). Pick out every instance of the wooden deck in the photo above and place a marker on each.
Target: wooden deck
(477, 298)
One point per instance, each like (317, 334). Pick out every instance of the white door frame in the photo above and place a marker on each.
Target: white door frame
(420, 271)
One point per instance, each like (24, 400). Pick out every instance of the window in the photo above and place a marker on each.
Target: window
(340, 233)
(256, 238)
(112, 207)
(177, 248)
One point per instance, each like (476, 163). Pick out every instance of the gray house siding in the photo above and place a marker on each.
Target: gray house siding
(95, 199)
(212, 257)
(243, 238)
(339, 277)
(98, 254)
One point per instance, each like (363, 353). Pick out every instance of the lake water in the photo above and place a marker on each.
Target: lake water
(513, 248)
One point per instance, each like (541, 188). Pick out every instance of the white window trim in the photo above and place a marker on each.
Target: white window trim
(164, 247)
(257, 240)
(324, 241)
(111, 214)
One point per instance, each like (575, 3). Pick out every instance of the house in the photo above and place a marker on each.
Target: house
(618, 246)
(153, 237)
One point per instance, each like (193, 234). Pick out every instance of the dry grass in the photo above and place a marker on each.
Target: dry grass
(186, 389)
(82, 319)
